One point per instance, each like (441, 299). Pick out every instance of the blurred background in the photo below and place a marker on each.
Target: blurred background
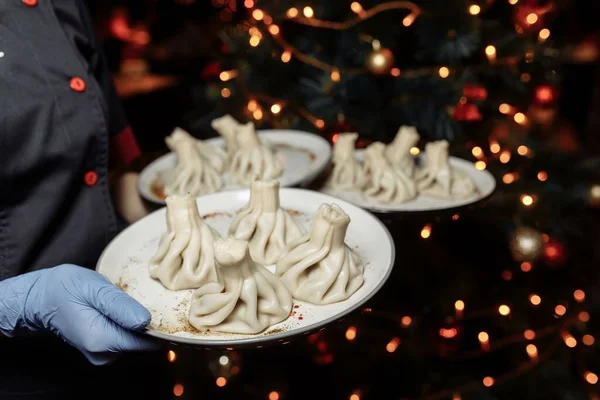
(513, 85)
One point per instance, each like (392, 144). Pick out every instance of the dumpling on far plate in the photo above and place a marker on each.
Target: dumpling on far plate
(193, 174)
(216, 156)
(185, 256)
(250, 299)
(438, 179)
(398, 152)
(253, 157)
(320, 268)
(264, 224)
(347, 173)
(227, 127)
(384, 183)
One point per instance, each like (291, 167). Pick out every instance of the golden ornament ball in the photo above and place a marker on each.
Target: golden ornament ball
(526, 244)
(380, 61)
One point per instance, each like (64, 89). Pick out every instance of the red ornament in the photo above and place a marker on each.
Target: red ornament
(544, 94)
(466, 112)
(475, 92)
(554, 253)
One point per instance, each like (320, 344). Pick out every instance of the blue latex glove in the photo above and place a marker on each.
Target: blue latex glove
(79, 305)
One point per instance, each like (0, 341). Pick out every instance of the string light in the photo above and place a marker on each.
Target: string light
(406, 321)
(480, 165)
(590, 377)
(504, 310)
(444, 72)
(456, 396)
(579, 295)
(542, 176)
(354, 396)
(392, 345)
(257, 114)
(484, 340)
(225, 92)
(584, 316)
(292, 12)
(522, 150)
(320, 123)
(569, 340)
(308, 12)
(505, 157)
(408, 20)
(474, 9)
(560, 310)
(588, 340)
(252, 105)
(544, 34)
(395, 72)
(254, 41)
(275, 108)
(527, 200)
(535, 299)
(227, 75)
(488, 381)
(286, 56)
(426, 232)
(494, 147)
(335, 75)
(221, 381)
(351, 333)
(274, 29)
(513, 2)
(504, 108)
(249, 3)
(519, 118)
(273, 395)
(508, 178)
(223, 360)
(414, 151)
(531, 18)
(258, 14)
(477, 152)
(459, 307)
(506, 275)
(171, 356)
(532, 351)
(490, 52)
(448, 333)
(526, 266)
(178, 390)
(529, 334)
(356, 7)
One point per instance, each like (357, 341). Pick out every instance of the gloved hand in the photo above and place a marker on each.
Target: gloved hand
(79, 305)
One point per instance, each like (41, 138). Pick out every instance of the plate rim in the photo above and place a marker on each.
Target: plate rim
(281, 336)
(451, 209)
(260, 132)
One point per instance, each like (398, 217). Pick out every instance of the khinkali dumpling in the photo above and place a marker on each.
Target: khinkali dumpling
(216, 156)
(250, 299)
(438, 179)
(193, 173)
(319, 267)
(384, 183)
(253, 158)
(347, 173)
(398, 152)
(264, 224)
(227, 127)
(185, 255)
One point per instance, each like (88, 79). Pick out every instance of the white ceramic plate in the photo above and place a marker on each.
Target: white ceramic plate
(484, 180)
(125, 263)
(304, 155)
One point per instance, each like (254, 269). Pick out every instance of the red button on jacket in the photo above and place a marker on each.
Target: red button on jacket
(90, 178)
(30, 3)
(78, 84)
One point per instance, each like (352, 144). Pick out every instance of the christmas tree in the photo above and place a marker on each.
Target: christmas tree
(493, 302)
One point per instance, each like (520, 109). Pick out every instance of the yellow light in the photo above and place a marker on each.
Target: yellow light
(488, 381)
(526, 266)
(351, 333)
(459, 305)
(224, 76)
(495, 148)
(221, 381)
(579, 295)
(319, 123)
(570, 341)
(406, 321)
(292, 12)
(560, 310)
(504, 108)
(178, 390)
(392, 345)
(335, 75)
(275, 108)
(414, 151)
(308, 12)
(273, 395)
(286, 56)
(504, 310)
(483, 337)
(542, 176)
(252, 105)
(531, 18)
(354, 396)
(477, 151)
(529, 334)
(257, 114)
(356, 7)
(527, 200)
(474, 9)
(480, 165)
(395, 72)
(444, 72)
(505, 157)
(225, 92)
(258, 14)
(588, 340)
(591, 378)
(171, 356)
(274, 29)
(522, 150)
(408, 20)
(254, 31)
(254, 41)
(584, 316)
(426, 231)
(531, 350)
(508, 178)
(513, 2)
(535, 299)
(519, 118)
(490, 50)
(544, 34)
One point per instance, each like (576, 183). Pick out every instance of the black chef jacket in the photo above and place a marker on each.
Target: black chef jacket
(61, 128)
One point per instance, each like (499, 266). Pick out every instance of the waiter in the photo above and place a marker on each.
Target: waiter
(64, 147)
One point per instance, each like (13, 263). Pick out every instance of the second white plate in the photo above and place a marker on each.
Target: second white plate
(304, 156)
